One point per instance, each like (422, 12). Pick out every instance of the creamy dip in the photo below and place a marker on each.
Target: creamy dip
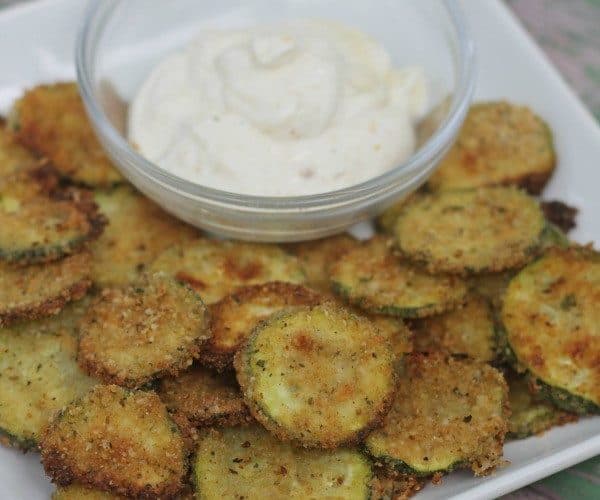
(297, 108)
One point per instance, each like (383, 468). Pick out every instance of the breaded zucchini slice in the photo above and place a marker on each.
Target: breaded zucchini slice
(132, 335)
(448, 413)
(530, 414)
(36, 226)
(13, 156)
(38, 376)
(320, 376)
(315, 257)
(372, 278)
(137, 232)
(398, 334)
(234, 317)
(394, 486)
(216, 268)
(117, 440)
(491, 286)
(249, 463)
(471, 231)
(499, 144)
(79, 492)
(551, 314)
(204, 398)
(51, 121)
(42, 289)
(552, 236)
(469, 330)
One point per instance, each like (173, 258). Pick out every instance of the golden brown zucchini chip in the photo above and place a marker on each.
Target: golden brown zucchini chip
(116, 440)
(13, 156)
(315, 257)
(551, 313)
(42, 289)
(51, 121)
(447, 413)
(320, 376)
(395, 330)
(204, 398)
(491, 286)
(131, 335)
(234, 317)
(471, 231)
(249, 463)
(499, 144)
(372, 278)
(36, 226)
(137, 232)
(531, 414)
(217, 268)
(469, 330)
(38, 376)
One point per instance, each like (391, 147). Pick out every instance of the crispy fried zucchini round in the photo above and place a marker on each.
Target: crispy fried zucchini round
(249, 463)
(447, 413)
(204, 398)
(375, 280)
(499, 144)
(320, 376)
(51, 121)
(13, 156)
(38, 376)
(469, 330)
(38, 227)
(552, 236)
(137, 232)
(42, 289)
(234, 317)
(316, 256)
(131, 335)
(551, 313)
(217, 268)
(399, 335)
(530, 414)
(471, 231)
(79, 492)
(117, 440)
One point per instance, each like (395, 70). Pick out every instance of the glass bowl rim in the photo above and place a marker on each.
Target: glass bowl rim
(99, 12)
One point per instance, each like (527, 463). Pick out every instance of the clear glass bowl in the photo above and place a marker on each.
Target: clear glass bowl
(120, 42)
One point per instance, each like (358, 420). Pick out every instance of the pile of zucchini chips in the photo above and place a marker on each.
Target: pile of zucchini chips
(145, 360)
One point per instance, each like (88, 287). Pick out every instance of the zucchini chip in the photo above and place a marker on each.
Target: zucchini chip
(217, 268)
(552, 236)
(551, 313)
(38, 376)
(316, 256)
(469, 330)
(530, 414)
(137, 232)
(394, 486)
(320, 376)
(42, 289)
(447, 413)
(132, 335)
(116, 440)
(51, 121)
(13, 156)
(204, 398)
(466, 232)
(36, 226)
(234, 317)
(386, 221)
(491, 286)
(499, 144)
(249, 463)
(398, 334)
(78, 492)
(372, 278)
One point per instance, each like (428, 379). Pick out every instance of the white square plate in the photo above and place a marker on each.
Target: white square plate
(36, 45)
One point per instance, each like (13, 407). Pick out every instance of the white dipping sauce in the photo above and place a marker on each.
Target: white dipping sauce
(298, 108)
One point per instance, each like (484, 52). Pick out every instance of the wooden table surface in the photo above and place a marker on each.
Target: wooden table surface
(569, 32)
